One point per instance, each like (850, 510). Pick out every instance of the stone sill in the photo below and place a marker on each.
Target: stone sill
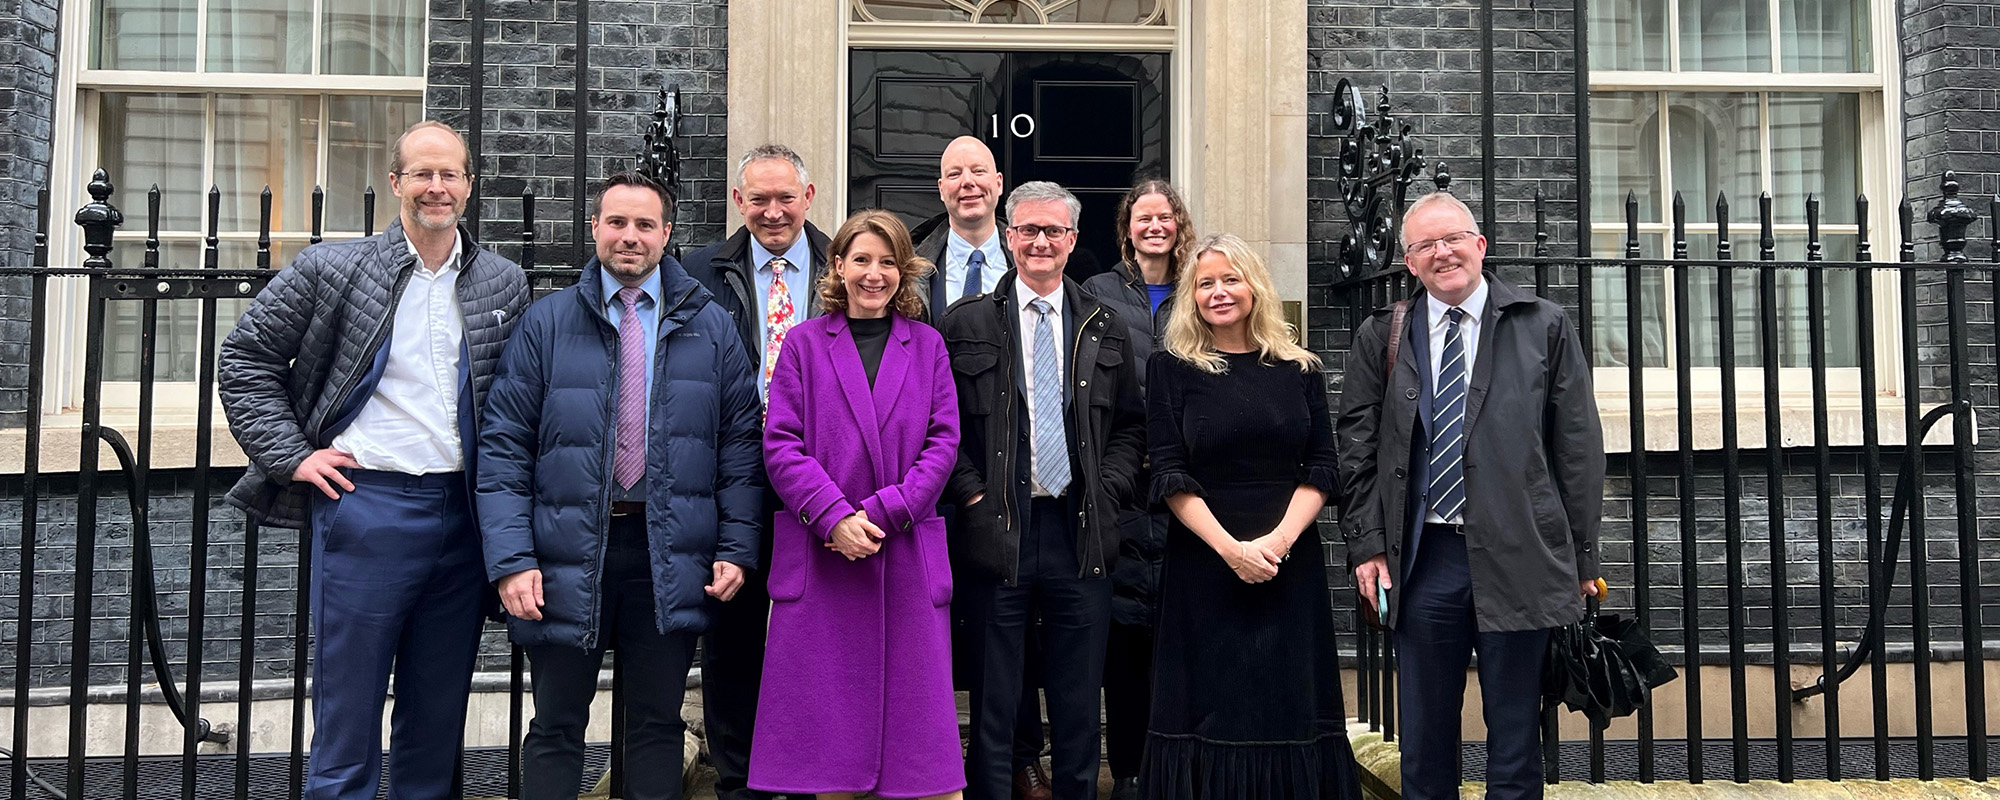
(173, 445)
(1844, 427)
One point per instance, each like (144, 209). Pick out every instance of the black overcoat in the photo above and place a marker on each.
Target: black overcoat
(1534, 458)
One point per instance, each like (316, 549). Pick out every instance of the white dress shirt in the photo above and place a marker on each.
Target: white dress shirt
(1029, 318)
(957, 254)
(1468, 335)
(410, 423)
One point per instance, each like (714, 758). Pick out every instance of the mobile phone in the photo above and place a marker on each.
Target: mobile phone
(1382, 601)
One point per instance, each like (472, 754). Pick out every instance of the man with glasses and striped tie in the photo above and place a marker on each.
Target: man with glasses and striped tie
(1052, 433)
(1474, 470)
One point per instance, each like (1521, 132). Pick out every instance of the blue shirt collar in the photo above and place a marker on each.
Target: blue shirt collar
(649, 291)
(799, 255)
(957, 249)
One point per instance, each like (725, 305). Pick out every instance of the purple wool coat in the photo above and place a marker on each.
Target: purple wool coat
(853, 642)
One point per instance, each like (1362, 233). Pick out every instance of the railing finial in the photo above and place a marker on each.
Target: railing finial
(1952, 217)
(99, 219)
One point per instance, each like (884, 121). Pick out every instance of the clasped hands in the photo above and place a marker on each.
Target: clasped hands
(855, 537)
(1256, 560)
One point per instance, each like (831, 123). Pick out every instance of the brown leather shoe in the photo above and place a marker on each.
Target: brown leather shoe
(1031, 783)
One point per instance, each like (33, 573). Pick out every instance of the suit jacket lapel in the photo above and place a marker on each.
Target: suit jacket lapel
(1419, 339)
(853, 380)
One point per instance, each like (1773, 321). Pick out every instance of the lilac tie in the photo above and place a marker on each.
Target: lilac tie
(630, 461)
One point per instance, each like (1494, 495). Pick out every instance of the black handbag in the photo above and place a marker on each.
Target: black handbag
(1605, 668)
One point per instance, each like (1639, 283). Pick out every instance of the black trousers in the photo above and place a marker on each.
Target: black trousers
(1076, 619)
(1436, 636)
(1128, 697)
(732, 668)
(655, 664)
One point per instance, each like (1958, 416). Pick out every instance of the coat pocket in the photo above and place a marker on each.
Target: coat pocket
(934, 552)
(791, 554)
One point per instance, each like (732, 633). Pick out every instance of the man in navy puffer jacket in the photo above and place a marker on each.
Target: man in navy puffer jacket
(620, 482)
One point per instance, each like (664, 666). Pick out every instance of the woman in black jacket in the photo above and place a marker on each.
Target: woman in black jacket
(1155, 236)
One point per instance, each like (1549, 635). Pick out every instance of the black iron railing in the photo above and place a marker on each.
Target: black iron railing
(1790, 608)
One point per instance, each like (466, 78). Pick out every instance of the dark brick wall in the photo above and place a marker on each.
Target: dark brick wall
(528, 141)
(1951, 105)
(27, 105)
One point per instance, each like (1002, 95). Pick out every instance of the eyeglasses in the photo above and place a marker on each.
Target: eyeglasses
(1451, 241)
(1033, 232)
(447, 177)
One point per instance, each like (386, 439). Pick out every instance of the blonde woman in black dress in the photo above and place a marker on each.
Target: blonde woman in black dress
(1246, 687)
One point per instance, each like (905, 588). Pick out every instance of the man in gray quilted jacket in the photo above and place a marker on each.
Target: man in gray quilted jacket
(354, 383)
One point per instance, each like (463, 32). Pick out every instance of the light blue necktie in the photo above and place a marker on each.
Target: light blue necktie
(973, 283)
(1051, 453)
(1447, 488)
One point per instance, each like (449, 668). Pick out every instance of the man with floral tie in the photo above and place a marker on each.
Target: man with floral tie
(766, 276)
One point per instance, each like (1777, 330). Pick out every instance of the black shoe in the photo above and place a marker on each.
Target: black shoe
(1125, 789)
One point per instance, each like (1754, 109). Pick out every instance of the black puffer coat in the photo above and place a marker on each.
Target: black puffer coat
(1143, 545)
(300, 352)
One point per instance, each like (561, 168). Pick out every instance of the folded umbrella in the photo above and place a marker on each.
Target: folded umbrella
(1605, 668)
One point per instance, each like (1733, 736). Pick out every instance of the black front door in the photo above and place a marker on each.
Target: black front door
(1093, 122)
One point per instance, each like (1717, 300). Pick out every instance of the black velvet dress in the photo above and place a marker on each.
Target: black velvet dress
(1246, 686)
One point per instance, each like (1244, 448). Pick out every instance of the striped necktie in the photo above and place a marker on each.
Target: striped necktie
(1051, 453)
(1447, 488)
(628, 461)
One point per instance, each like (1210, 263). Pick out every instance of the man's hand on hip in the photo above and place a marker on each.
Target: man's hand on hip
(322, 469)
(728, 579)
(1368, 574)
(521, 593)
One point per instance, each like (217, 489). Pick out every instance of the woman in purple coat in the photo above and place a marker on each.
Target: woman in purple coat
(861, 433)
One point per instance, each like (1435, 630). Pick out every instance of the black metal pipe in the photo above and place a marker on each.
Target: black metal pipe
(1823, 483)
(1913, 460)
(579, 234)
(1635, 388)
(1580, 61)
(31, 498)
(100, 222)
(1732, 499)
(141, 567)
(246, 659)
(475, 101)
(1871, 480)
(1684, 416)
(1489, 197)
(1774, 489)
(1966, 490)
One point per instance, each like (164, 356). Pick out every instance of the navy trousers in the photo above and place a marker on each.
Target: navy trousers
(398, 588)
(1436, 636)
(1076, 620)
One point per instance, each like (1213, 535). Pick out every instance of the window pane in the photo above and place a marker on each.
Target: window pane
(1725, 35)
(1628, 34)
(1824, 35)
(259, 36)
(143, 34)
(1794, 333)
(1117, 12)
(1816, 149)
(266, 141)
(1712, 140)
(373, 37)
(360, 132)
(1612, 306)
(148, 139)
(1624, 154)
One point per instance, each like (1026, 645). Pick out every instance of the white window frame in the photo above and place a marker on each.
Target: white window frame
(79, 93)
(1882, 180)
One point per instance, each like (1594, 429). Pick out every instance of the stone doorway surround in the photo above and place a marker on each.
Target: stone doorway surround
(1238, 101)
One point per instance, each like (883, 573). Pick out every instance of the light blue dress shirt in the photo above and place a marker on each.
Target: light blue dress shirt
(797, 281)
(649, 319)
(957, 250)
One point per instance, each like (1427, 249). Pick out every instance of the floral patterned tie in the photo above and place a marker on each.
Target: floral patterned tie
(777, 319)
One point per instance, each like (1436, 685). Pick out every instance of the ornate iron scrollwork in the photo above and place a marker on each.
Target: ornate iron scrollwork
(659, 159)
(1378, 161)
